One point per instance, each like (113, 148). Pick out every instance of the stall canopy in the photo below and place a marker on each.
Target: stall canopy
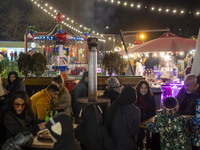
(167, 42)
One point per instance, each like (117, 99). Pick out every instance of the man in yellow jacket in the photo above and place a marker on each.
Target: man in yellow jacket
(41, 101)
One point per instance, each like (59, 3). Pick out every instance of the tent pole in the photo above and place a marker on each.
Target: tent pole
(121, 35)
(156, 30)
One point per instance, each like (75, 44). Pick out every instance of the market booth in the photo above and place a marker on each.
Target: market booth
(168, 50)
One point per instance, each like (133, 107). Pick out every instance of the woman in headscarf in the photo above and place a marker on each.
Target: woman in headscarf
(91, 133)
(15, 83)
(122, 120)
(62, 134)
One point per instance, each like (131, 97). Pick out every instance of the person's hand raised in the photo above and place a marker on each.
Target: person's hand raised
(42, 125)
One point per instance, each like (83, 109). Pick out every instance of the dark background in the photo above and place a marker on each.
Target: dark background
(16, 15)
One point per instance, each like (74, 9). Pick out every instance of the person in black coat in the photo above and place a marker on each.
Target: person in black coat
(147, 107)
(22, 141)
(62, 133)
(150, 62)
(123, 119)
(19, 116)
(15, 83)
(79, 91)
(91, 133)
(112, 89)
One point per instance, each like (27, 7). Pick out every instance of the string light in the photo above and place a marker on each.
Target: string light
(173, 11)
(132, 5)
(53, 14)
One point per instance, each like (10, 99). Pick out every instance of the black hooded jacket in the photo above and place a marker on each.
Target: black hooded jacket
(91, 133)
(111, 93)
(16, 85)
(123, 119)
(14, 124)
(65, 135)
(80, 90)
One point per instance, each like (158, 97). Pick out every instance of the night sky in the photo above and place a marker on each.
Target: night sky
(118, 18)
(110, 18)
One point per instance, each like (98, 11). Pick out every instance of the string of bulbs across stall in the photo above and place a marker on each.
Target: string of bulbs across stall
(153, 8)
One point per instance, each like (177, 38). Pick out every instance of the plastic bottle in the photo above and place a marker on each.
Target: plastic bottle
(47, 116)
(56, 112)
(51, 114)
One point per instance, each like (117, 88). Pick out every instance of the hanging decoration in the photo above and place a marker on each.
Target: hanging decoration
(30, 31)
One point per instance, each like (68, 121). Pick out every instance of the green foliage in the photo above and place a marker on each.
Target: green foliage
(114, 63)
(38, 64)
(25, 64)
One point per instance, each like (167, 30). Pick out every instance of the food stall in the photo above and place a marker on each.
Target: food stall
(167, 50)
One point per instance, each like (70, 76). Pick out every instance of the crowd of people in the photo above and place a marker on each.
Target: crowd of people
(23, 116)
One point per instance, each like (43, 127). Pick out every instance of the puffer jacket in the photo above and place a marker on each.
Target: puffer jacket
(40, 103)
(20, 142)
(172, 129)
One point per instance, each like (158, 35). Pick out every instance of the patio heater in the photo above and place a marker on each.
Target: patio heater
(92, 80)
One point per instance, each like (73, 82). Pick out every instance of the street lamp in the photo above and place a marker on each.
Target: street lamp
(142, 37)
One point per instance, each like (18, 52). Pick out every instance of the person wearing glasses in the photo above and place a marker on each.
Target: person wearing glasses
(19, 116)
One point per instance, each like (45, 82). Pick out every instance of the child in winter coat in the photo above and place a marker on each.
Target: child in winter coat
(172, 128)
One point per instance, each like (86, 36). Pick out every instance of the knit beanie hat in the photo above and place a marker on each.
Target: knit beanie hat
(113, 82)
(60, 125)
(170, 105)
